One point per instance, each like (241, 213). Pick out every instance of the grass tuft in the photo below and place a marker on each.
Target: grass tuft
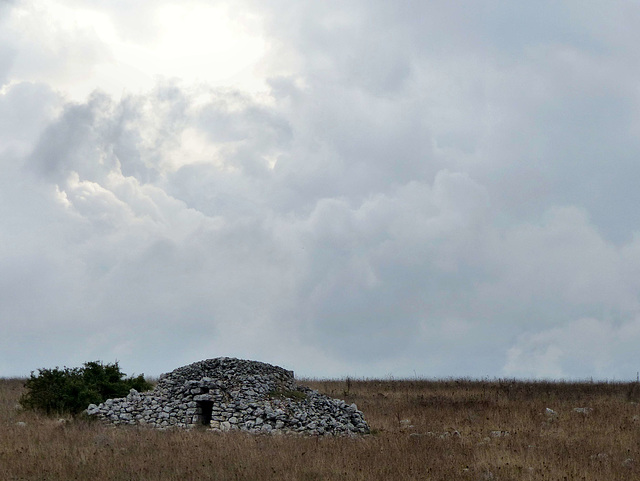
(295, 395)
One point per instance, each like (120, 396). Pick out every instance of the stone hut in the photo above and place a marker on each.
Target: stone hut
(227, 394)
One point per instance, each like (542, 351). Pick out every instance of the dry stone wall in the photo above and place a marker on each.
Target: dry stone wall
(227, 394)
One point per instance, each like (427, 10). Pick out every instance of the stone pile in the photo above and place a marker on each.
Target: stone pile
(227, 394)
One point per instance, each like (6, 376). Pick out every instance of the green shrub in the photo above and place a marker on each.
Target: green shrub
(71, 390)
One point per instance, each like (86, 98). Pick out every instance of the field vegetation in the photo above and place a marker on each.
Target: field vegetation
(422, 429)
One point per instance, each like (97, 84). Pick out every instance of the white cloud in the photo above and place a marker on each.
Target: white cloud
(52, 43)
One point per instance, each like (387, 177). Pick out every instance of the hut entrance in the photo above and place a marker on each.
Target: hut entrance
(205, 409)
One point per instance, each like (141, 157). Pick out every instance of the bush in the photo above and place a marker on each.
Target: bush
(71, 390)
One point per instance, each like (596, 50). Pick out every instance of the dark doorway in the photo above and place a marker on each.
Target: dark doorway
(205, 408)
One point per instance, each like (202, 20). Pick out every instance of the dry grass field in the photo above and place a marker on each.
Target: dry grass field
(453, 430)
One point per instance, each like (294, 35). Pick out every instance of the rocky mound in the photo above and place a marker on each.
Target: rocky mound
(227, 394)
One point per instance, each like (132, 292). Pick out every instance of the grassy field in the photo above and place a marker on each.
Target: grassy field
(453, 430)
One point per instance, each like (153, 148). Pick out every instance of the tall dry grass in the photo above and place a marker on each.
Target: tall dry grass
(454, 429)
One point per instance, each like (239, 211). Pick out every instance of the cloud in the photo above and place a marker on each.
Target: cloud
(148, 260)
(384, 263)
(502, 92)
(582, 348)
(7, 53)
(25, 111)
(428, 190)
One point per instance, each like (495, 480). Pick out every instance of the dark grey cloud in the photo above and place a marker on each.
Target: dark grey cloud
(493, 86)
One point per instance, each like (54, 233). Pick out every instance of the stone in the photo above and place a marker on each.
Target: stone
(133, 394)
(232, 394)
(584, 411)
(202, 397)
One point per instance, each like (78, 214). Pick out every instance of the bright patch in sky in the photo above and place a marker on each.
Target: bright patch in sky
(196, 44)
(193, 43)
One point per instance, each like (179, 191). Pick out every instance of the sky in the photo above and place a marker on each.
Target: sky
(343, 188)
